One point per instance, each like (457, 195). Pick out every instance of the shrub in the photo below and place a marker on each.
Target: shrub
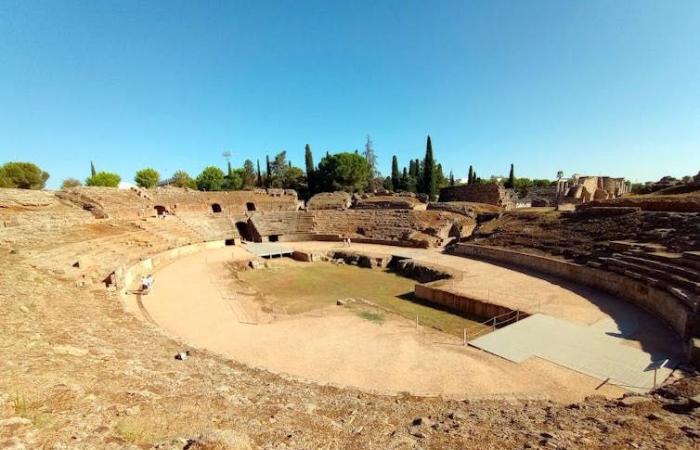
(22, 175)
(107, 179)
(147, 178)
(211, 179)
(183, 179)
(70, 183)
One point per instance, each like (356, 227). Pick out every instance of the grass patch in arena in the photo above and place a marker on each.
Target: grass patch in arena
(296, 288)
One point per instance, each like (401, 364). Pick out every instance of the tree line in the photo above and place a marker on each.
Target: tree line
(344, 171)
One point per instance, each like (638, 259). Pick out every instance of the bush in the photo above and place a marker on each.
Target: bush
(183, 179)
(22, 175)
(147, 178)
(70, 183)
(211, 179)
(107, 179)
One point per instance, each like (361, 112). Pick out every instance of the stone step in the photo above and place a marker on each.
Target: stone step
(672, 267)
(672, 278)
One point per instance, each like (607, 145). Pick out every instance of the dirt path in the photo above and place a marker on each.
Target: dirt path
(340, 347)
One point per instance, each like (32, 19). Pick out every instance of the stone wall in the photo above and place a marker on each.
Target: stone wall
(136, 203)
(660, 303)
(329, 200)
(490, 193)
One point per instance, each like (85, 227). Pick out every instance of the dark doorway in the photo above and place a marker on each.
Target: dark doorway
(160, 210)
(250, 206)
(215, 207)
(230, 242)
(274, 238)
(242, 228)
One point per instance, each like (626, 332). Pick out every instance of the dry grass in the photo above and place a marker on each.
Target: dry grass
(304, 287)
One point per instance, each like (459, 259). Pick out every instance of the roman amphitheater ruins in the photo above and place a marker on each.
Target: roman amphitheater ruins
(366, 321)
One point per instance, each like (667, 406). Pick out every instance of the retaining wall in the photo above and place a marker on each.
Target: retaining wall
(660, 303)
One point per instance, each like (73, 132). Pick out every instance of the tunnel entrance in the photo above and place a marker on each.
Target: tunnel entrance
(215, 207)
(250, 206)
(244, 231)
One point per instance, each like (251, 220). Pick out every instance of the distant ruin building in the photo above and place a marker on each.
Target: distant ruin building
(489, 193)
(583, 189)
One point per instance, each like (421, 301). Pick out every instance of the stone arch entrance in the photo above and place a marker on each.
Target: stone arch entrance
(244, 231)
(250, 206)
(215, 207)
(160, 210)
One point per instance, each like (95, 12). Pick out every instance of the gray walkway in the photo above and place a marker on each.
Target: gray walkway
(265, 249)
(597, 350)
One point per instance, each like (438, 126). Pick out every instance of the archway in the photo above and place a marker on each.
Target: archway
(250, 206)
(160, 210)
(215, 207)
(244, 231)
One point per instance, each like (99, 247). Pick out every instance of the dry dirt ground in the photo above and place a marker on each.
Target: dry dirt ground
(79, 372)
(334, 345)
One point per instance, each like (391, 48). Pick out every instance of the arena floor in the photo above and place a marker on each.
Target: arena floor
(334, 346)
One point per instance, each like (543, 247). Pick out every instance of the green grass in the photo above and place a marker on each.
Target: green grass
(372, 316)
(303, 287)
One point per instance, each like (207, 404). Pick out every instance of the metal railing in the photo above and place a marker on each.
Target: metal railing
(492, 324)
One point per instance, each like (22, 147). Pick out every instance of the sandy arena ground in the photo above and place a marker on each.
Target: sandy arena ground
(191, 301)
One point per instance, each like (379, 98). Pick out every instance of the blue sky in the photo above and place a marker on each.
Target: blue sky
(593, 87)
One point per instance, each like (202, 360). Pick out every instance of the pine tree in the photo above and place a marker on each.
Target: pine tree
(310, 170)
(511, 178)
(395, 176)
(260, 180)
(470, 177)
(93, 172)
(429, 183)
(268, 174)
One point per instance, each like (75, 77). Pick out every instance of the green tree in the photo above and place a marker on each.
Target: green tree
(470, 177)
(345, 171)
(211, 179)
(234, 181)
(310, 169)
(259, 182)
(510, 184)
(22, 175)
(294, 178)
(147, 178)
(268, 173)
(395, 175)
(452, 179)
(278, 169)
(183, 179)
(106, 179)
(248, 174)
(428, 181)
(70, 183)
(93, 172)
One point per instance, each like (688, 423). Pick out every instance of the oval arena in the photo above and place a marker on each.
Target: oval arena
(270, 298)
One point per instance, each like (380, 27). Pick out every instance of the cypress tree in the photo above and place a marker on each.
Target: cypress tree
(309, 160)
(230, 171)
(452, 179)
(511, 178)
(268, 174)
(260, 181)
(470, 177)
(93, 172)
(395, 176)
(404, 180)
(428, 182)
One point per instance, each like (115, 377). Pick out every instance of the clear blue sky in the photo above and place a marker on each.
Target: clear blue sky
(594, 87)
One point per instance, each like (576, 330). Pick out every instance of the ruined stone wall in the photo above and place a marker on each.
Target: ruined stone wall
(490, 193)
(329, 200)
(135, 203)
(419, 228)
(658, 302)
